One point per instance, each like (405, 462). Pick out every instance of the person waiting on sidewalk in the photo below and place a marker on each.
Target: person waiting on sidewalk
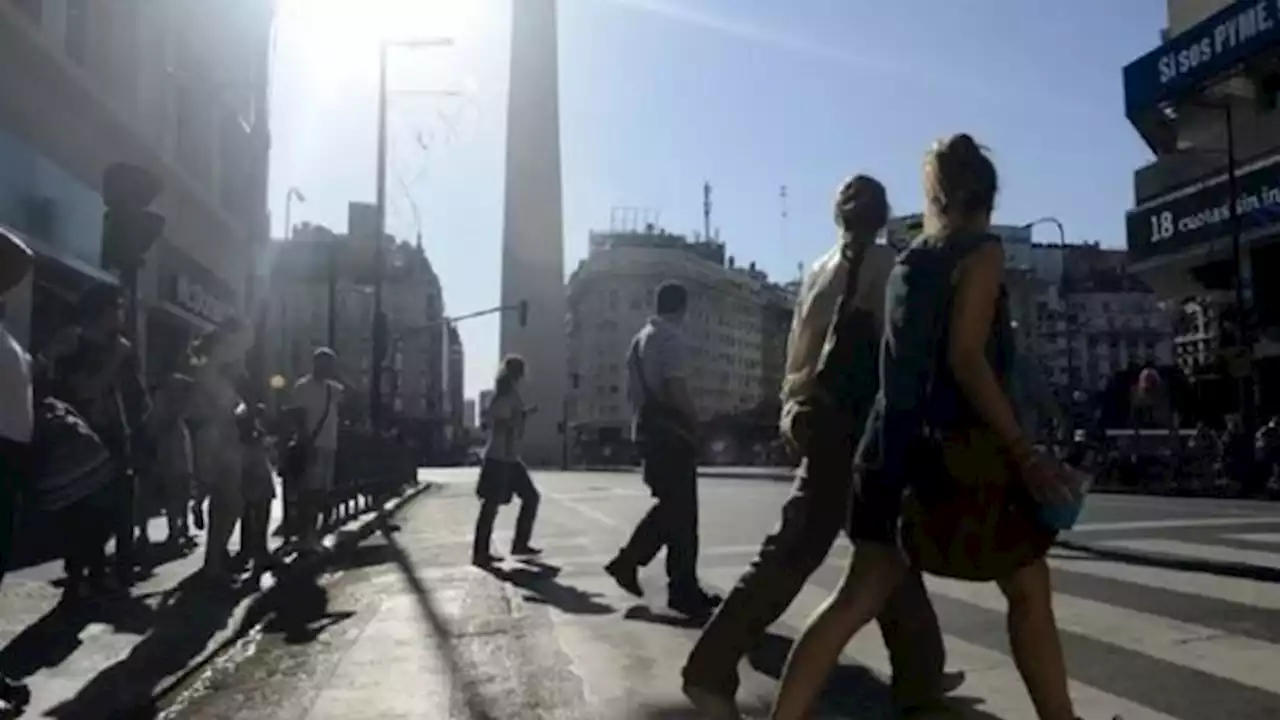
(215, 360)
(172, 468)
(317, 398)
(258, 488)
(97, 372)
(665, 429)
(830, 385)
(17, 423)
(503, 474)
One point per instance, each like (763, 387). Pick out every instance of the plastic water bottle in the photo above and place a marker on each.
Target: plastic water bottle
(1063, 515)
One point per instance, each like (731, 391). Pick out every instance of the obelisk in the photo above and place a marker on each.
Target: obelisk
(533, 226)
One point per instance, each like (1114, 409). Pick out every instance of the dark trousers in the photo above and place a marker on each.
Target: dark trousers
(254, 530)
(521, 485)
(671, 472)
(15, 473)
(812, 517)
(84, 527)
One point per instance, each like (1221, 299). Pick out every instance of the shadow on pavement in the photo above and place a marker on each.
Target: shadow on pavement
(477, 707)
(1236, 570)
(670, 618)
(53, 638)
(852, 690)
(186, 619)
(539, 579)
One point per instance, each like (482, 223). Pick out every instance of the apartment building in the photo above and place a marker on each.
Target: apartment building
(735, 329)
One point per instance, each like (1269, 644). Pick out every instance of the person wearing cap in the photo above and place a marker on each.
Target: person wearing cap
(95, 369)
(17, 421)
(317, 398)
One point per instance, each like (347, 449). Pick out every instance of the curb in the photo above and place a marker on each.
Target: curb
(258, 604)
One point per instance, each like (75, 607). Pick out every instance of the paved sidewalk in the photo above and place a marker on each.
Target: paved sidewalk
(84, 663)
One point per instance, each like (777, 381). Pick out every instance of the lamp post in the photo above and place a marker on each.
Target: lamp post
(379, 318)
(293, 194)
(1068, 314)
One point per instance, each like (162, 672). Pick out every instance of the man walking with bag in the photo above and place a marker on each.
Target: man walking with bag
(666, 432)
(830, 385)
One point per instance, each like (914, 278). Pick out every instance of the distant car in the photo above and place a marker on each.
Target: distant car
(474, 458)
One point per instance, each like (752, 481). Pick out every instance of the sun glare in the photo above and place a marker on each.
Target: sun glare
(335, 38)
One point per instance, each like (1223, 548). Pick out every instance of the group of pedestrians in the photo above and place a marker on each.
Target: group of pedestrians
(901, 397)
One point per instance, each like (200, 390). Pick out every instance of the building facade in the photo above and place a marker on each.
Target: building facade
(1204, 101)
(180, 89)
(735, 330)
(320, 294)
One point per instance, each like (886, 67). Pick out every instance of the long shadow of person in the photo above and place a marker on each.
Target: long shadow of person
(302, 612)
(851, 690)
(184, 623)
(539, 579)
(51, 639)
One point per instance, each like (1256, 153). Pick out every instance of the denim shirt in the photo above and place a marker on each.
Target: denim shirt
(917, 386)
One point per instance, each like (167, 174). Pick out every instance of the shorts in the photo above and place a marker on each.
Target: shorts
(319, 476)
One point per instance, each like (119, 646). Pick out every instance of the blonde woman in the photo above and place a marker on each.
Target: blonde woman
(948, 349)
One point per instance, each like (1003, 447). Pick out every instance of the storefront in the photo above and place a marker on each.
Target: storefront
(190, 299)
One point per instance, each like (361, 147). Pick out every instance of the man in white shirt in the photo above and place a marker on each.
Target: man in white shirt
(17, 420)
(830, 385)
(317, 398)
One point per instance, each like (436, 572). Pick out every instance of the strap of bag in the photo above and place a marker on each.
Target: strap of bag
(324, 416)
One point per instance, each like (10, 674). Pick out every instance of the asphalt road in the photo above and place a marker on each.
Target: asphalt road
(1170, 609)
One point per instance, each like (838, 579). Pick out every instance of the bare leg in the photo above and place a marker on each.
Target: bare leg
(873, 574)
(1033, 635)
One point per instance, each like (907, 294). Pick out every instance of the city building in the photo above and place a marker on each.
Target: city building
(735, 329)
(533, 227)
(320, 294)
(482, 405)
(1204, 101)
(469, 414)
(455, 380)
(177, 88)
(1081, 315)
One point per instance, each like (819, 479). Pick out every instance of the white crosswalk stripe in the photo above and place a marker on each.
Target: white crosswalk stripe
(992, 677)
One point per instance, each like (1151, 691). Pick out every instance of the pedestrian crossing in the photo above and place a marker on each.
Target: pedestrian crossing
(1144, 640)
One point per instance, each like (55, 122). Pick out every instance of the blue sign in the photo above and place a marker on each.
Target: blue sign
(1203, 53)
(1200, 213)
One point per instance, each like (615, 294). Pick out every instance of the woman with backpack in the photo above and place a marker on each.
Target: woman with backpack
(946, 468)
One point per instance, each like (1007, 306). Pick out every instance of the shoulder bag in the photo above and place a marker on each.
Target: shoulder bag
(297, 454)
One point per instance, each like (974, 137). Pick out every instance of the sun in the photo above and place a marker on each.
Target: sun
(337, 38)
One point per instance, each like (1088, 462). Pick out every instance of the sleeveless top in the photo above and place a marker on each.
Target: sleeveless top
(917, 388)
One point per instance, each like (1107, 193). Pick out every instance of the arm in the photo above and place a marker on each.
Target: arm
(15, 262)
(976, 293)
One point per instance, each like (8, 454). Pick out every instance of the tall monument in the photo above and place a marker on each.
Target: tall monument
(533, 226)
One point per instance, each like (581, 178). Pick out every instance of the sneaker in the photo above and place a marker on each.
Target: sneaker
(627, 577)
(525, 551)
(484, 559)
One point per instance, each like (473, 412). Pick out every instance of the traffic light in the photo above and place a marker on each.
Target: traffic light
(523, 310)
(129, 228)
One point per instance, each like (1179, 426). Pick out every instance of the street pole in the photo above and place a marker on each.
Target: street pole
(379, 322)
(1068, 315)
(332, 294)
(379, 318)
(1244, 283)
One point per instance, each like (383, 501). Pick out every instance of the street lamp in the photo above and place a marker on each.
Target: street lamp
(293, 194)
(1068, 315)
(379, 319)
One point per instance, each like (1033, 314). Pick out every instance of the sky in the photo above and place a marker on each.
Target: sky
(658, 96)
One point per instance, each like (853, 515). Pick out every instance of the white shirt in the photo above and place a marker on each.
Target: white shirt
(309, 394)
(17, 416)
(816, 305)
